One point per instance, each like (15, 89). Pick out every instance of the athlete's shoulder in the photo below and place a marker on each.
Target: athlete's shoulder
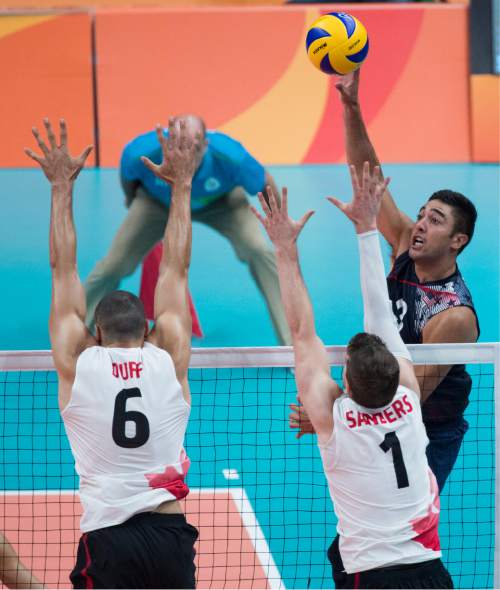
(92, 359)
(141, 145)
(402, 262)
(461, 286)
(90, 352)
(341, 406)
(153, 351)
(403, 391)
(342, 400)
(224, 147)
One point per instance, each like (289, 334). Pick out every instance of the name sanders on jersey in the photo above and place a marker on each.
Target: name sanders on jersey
(396, 410)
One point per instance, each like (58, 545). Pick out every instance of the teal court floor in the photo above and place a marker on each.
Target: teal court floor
(238, 422)
(231, 309)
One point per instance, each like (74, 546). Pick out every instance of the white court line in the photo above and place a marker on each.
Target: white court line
(244, 507)
(257, 537)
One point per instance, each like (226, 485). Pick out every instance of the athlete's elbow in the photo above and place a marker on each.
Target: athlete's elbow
(301, 331)
(173, 270)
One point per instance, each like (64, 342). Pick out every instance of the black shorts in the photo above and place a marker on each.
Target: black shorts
(428, 574)
(150, 550)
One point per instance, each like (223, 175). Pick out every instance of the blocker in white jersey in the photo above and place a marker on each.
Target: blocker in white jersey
(384, 493)
(371, 436)
(124, 392)
(126, 422)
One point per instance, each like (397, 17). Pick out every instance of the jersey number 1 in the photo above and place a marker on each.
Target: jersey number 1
(391, 442)
(121, 417)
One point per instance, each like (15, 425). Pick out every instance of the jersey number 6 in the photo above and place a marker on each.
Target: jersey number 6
(121, 417)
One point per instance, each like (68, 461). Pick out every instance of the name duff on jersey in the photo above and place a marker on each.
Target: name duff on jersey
(127, 370)
(396, 410)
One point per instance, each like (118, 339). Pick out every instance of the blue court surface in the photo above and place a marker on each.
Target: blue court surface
(231, 309)
(238, 420)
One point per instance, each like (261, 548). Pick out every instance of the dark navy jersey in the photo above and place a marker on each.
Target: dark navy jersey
(414, 304)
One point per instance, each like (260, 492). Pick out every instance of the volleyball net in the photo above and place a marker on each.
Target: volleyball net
(258, 495)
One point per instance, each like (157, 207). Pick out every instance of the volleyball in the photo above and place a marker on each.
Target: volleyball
(337, 43)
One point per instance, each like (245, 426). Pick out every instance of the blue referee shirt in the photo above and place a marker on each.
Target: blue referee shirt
(225, 165)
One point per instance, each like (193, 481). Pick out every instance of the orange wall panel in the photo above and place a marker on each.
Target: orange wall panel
(425, 116)
(218, 63)
(246, 71)
(49, 73)
(22, 4)
(485, 99)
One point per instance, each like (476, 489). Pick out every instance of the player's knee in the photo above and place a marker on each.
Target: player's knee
(254, 252)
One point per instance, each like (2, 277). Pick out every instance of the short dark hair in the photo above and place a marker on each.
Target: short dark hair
(121, 317)
(464, 212)
(371, 370)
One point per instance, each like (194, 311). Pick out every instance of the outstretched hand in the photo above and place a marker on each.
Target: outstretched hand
(348, 86)
(179, 152)
(366, 200)
(298, 419)
(282, 230)
(57, 163)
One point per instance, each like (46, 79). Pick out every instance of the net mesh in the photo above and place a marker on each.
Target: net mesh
(258, 495)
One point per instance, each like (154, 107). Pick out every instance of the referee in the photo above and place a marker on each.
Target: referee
(371, 436)
(124, 395)
(225, 173)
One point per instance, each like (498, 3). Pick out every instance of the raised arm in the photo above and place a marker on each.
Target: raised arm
(317, 390)
(270, 182)
(394, 224)
(378, 316)
(172, 329)
(68, 333)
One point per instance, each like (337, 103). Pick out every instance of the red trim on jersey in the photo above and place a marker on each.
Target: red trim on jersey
(426, 527)
(177, 487)
(432, 290)
(89, 582)
(357, 577)
(171, 480)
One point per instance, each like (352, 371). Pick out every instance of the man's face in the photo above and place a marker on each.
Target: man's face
(433, 235)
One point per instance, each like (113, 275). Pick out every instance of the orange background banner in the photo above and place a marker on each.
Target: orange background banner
(245, 70)
(485, 103)
(46, 71)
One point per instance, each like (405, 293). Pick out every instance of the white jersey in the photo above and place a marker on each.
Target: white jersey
(385, 496)
(126, 421)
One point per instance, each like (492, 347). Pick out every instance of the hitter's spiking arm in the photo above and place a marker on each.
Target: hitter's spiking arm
(394, 225)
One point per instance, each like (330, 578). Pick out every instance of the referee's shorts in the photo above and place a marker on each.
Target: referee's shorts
(150, 550)
(428, 574)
